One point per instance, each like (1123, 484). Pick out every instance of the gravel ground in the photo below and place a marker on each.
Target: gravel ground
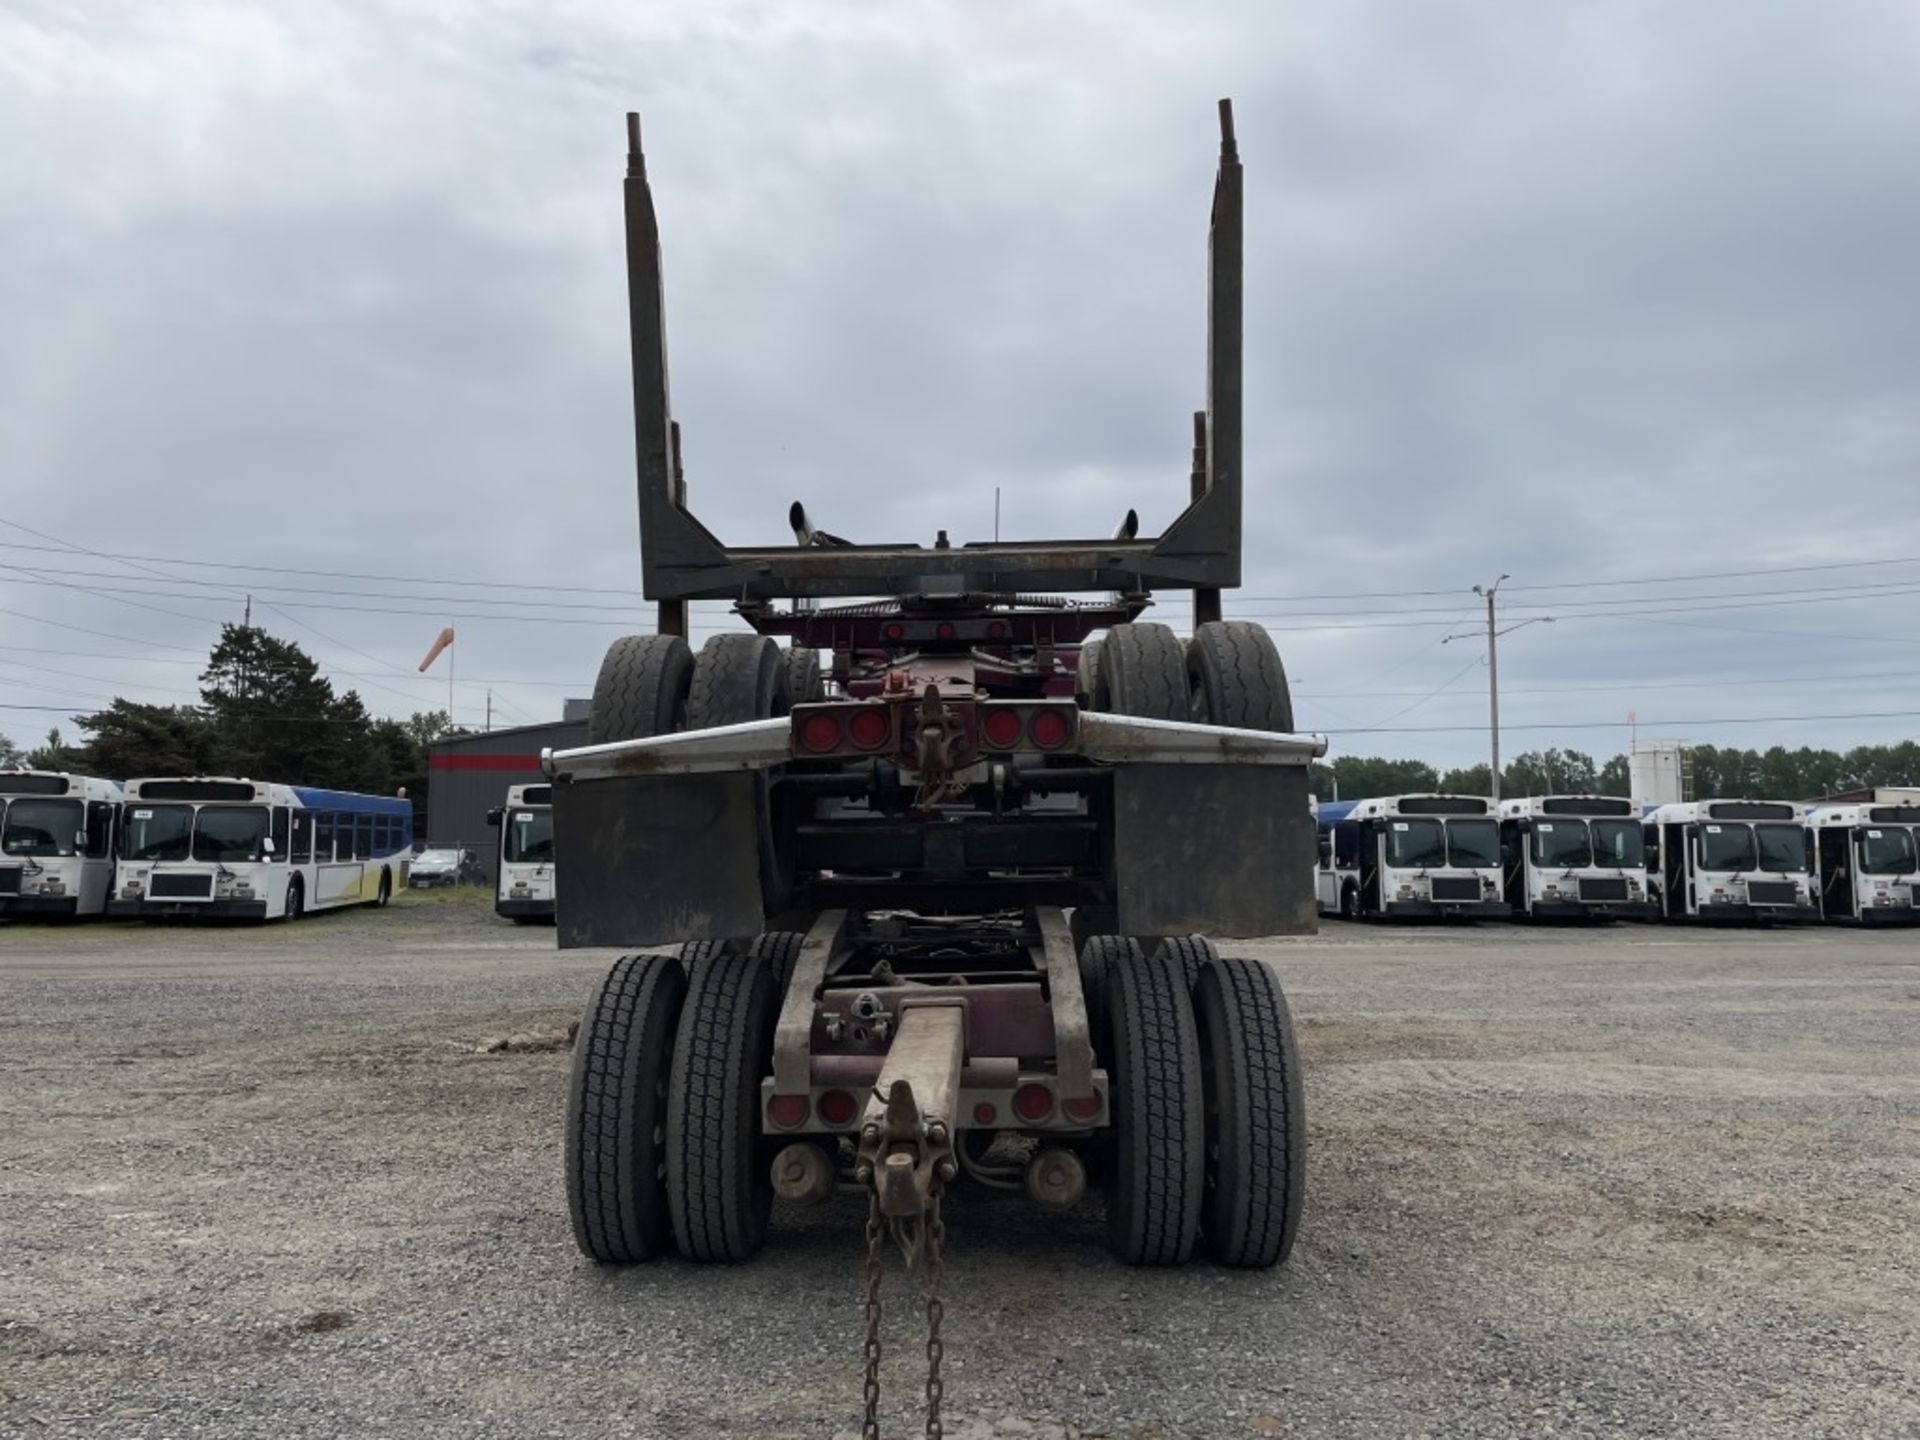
(1630, 1182)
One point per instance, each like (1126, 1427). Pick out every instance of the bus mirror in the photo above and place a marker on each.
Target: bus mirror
(493, 816)
(80, 841)
(266, 846)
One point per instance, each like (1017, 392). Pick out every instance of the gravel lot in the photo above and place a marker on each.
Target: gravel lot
(1629, 1182)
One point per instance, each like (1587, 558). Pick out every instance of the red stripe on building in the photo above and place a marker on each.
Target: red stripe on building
(518, 763)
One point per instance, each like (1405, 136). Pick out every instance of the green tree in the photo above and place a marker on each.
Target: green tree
(1615, 777)
(1361, 776)
(128, 739)
(1549, 772)
(12, 757)
(53, 754)
(1468, 780)
(272, 710)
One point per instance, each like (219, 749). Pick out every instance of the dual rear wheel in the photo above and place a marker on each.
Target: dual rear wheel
(663, 1137)
(1209, 1125)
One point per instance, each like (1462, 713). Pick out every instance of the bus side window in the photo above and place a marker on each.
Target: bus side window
(99, 829)
(389, 834)
(279, 835)
(362, 837)
(323, 837)
(1650, 837)
(302, 850)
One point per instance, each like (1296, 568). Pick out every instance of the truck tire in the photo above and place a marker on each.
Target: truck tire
(616, 1104)
(719, 1190)
(1097, 958)
(737, 678)
(780, 948)
(1256, 1127)
(1156, 1172)
(1189, 952)
(1086, 675)
(641, 690)
(1142, 672)
(805, 684)
(1235, 677)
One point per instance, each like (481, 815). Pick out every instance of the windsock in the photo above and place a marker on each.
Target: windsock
(445, 639)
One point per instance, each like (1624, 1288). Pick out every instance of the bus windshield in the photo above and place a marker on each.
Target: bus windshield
(229, 832)
(1782, 847)
(156, 832)
(1561, 843)
(1887, 851)
(1726, 847)
(1619, 843)
(43, 828)
(1474, 844)
(530, 837)
(1416, 843)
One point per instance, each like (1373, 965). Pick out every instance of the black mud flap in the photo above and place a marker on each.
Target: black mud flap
(656, 860)
(1221, 850)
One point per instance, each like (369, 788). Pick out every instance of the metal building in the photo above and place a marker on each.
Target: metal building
(468, 775)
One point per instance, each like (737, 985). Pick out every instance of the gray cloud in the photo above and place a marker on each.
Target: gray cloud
(1572, 293)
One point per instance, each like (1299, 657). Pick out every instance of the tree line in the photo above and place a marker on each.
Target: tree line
(265, 712)
(1718, 772)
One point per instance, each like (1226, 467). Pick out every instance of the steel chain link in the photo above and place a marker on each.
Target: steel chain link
(936, 1314)
(871, 1429)
(932, 1250)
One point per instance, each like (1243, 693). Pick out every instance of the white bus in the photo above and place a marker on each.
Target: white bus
(1579, 857)
(56, 843)
(1729, 860)
(1416, 855)
(245, 849)
(1866, 862)
(524, 892)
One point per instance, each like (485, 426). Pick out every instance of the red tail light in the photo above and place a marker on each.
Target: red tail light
(820, 732)
(836, 1108)
(1049, 729)
(869, 727)
(787, 1112)
(1033, 1103)
(1000, 727)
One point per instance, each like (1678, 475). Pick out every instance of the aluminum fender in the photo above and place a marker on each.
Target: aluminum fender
(1180, 742)
(754, 745)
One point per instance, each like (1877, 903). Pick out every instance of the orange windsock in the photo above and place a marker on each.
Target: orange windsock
(446, 639)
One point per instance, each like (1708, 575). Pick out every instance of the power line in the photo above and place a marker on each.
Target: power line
(628, 591)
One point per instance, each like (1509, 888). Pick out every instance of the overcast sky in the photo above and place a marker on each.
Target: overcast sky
(1578, 292)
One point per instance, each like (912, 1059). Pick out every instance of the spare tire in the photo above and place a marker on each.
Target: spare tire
(1142, 672)
(641, 690)
(737, 678)
(1235, 677)
(805, 685)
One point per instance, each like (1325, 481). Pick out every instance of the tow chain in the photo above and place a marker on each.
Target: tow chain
(932, 1245)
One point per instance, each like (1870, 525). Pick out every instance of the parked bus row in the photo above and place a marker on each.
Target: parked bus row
(1604, 858)
(76, 845)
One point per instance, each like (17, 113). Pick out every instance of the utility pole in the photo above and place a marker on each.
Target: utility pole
(1488, 592)
(1493, 687)
(489, 710)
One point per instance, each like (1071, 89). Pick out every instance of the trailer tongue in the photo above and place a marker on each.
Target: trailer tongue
(944, 922)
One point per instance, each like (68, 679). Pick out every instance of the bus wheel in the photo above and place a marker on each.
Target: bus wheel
(1350, 902)
(1155, 1170)
(1256, 1152)
(616, 1111)
(1236, 678)
(296, 899)
(386, 888)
